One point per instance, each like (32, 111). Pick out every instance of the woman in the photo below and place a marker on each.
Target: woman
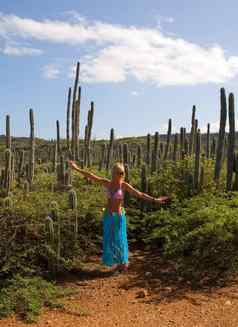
(115, 245)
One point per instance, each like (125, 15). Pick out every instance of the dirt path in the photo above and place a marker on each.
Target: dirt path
(148, 295)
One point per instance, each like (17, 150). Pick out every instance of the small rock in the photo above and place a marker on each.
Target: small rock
(142, 294)
(228, 302)
(168, 289)
(48, 322)
(148, 274)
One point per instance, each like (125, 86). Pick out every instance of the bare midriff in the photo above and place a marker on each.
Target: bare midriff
(114, 206)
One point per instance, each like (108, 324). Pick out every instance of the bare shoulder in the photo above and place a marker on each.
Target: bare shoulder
(105, 182)
(125, 186)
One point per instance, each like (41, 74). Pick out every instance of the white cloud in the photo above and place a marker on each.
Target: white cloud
(51, 71)
(146, 54)
(20, 51)
(135, 93)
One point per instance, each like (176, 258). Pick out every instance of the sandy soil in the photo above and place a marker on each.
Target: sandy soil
(148, 295)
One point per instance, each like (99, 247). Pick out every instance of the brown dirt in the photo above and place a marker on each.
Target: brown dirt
(148, 295)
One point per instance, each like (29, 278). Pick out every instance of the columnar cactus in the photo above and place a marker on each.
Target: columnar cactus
(186, 146)
(8, 173)
(154, 163)
(235, 186)
(161, 151)
(213, 148)
(139, 155)
(68, 119)
(221, 136)
(231, 143)
(88, 134)
(148, 150)
(13, 167)
(127, 179)
(55, 157)
(144, 184)
(192, 133)
(8, 133)
(58, 137)
(110, 150)
(176, 146)
(181, 141)
(208, 142)
(73, 126)
(32, 147)
(76, 124)
(197, 160)
(61, 172)
(103, 156)
(125, 153)
(168, 139)
(73, 204)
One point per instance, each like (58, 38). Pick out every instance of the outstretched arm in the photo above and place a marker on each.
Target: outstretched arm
(91, 176)
(144, 196)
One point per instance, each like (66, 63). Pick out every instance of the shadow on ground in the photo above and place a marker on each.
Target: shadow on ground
(158, 279)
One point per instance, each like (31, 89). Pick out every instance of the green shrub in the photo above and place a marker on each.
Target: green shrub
(27, 296)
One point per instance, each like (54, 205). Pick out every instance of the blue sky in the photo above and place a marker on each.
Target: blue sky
(142, 62)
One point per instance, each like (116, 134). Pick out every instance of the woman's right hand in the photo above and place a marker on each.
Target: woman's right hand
(73, 164)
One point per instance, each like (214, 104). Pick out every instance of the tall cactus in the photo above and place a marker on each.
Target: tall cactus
(213, 148)
(231, 143)
(32, 147)
(88, 135)
(127, 179)
(77, 123)
(144, 185)
(191, 138)
(154, 162)
(110, 150)
(8, 173)
(208, 142)
(8, 133)
(73, 114)
(68, 119)
(125, 153)
(197, 160)
(58, 137)
(168, 139)
(73, 204)
(181, 141)
(220, 145)
(139, 155)
(175, 147)
(21, 165)
(148, 150)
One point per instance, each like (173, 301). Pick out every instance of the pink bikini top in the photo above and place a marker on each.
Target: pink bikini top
(116, 195)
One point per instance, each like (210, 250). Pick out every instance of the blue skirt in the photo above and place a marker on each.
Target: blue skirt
(115, 244)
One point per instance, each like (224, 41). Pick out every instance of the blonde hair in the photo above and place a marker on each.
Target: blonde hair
(118, 166)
